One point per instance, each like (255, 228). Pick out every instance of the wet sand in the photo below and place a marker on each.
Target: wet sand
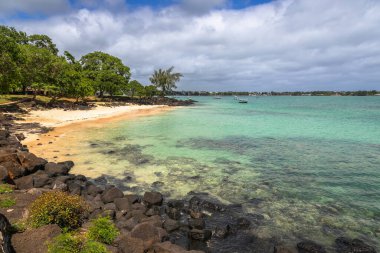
(60, 143)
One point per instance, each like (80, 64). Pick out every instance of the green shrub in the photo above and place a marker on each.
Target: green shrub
(71, 243)
(19, 226)
(7, 201)
(103, 230)
(59, 208)
(5, 188)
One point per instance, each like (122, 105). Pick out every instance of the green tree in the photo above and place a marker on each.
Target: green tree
(165, 80)
(43, 41)
(10, 57)
(107, 72)
(150, 91)
(132, 87)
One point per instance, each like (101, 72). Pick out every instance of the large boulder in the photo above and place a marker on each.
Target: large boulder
(168, 247)
(34, 240)
(111, 194)
(23, 183)
(6, 234)
(310, 247)
(346, 245)
(153, 198)
(56, 169)
(30, 162)
(128, 244)
(40, 179)
(149, 233)
(123, 204)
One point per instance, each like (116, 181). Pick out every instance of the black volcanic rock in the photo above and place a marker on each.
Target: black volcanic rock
(346, 245)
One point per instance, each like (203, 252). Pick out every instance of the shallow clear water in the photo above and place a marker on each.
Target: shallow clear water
(310, 165)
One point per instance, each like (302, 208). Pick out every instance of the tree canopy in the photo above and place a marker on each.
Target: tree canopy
(32, 63)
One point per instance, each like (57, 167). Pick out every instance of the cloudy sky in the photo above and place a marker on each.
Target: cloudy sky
(246, 45)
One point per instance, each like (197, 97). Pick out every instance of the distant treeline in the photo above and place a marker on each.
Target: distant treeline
(274, 93)
(32, 64)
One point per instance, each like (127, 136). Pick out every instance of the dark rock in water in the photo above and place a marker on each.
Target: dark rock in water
(102, 180)
(111, 194)
(153, 198)
(243, 223)
(310, 247)
(93, 190)
(346, 245)
(200, 235)
(81, 178)
(205, 202)
(171, 225)
(222, 232)
(197, 223)
(132, 198)
(55, 169)
(68, 164)
(178, 204)
(173, 213)
(23, 183)
(157, 184)
(123, 204)
(281, 249)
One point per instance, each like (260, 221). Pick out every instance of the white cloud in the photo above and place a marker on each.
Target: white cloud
(283, 45)
(9, 7)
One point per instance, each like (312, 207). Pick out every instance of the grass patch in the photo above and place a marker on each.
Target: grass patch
(74, 243)
(19, 227)
(5, 188)
(59, 208)
(103, 230)
(7, 201)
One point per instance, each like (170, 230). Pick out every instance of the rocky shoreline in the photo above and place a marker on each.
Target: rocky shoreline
(148, 223)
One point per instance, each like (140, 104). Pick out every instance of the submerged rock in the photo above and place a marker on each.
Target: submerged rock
(310, 247)
(153, 198)
(346, 245)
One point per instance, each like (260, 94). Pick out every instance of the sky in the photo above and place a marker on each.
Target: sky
(220, 45)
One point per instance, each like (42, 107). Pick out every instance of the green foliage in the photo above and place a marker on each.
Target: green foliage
(19, 227)
(103, 230)
(71, 243)
(7, 201)
(150, 91)
(59, 208)
(107, 72)
(165, 80)
(5, 188)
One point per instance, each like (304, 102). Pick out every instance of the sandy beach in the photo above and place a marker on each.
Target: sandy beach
(64, 124)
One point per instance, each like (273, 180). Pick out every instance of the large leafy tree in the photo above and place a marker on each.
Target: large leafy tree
(165, 80)
(132, 87)
(10, 57)
(107, 72)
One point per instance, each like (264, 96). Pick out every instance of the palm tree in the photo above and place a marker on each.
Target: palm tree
(165, 79)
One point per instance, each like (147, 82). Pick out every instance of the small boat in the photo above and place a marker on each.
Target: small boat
(236, 98)
(243, 101)
(217, 97)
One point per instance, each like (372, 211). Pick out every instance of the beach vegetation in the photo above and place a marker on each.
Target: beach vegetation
(5, 188)
(7, 201)
(56, 207)
(165, 80)
(103, 230)
(74, 243)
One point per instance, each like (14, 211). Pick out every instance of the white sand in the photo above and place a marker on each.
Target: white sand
(60, 117)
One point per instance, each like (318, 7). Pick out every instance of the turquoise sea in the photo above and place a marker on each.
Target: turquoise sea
(309, 165)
